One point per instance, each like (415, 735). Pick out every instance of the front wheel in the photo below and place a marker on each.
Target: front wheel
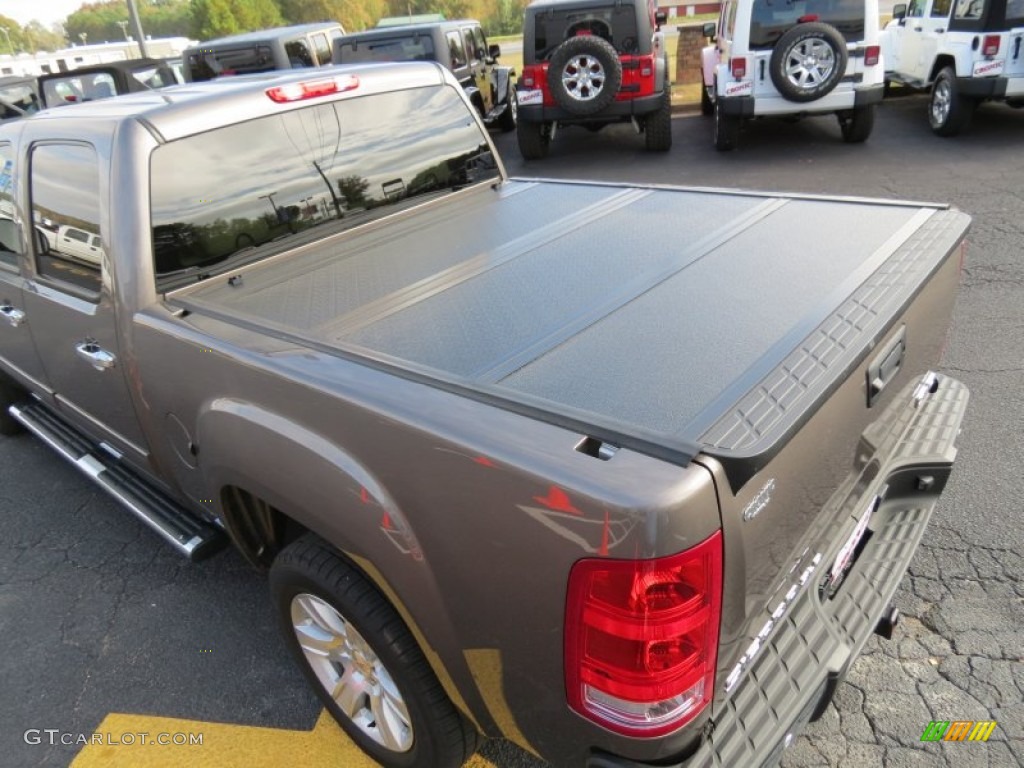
(949, 112)
(534, 139)
(856, 126)
(364, 664)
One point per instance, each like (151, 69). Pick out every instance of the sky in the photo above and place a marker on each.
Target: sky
(46, 11)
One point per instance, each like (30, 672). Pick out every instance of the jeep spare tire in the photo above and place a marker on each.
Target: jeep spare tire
(584, 74)
(808, 61)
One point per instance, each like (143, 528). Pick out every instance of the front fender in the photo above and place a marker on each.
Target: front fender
(503, 83)
(708, 62)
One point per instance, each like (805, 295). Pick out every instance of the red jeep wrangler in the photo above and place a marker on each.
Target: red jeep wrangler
(590, 63)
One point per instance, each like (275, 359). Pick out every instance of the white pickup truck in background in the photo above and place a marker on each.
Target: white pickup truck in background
(965, 51)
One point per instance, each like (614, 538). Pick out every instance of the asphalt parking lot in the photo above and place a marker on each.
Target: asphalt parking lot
(106, 629)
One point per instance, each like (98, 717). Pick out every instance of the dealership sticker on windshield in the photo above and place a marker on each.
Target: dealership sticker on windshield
(531, 97)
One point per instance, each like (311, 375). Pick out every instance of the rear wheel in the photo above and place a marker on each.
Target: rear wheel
(949, 112)
(534, 139)
(658, 126)
(727, 127)
(856, 126)
(365, 666)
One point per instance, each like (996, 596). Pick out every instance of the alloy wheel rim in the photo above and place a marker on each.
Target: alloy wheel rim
(351, 673)
(810, 63)
(583, 77)
(941, 102)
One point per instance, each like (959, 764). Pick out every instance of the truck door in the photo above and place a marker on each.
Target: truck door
(926, 25)
(17, 350)
(70, 305)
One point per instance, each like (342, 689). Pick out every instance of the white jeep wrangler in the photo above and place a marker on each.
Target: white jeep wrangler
(966, 51)
(793, 58)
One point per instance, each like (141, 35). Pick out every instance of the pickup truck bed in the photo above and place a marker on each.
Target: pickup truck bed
(529, 313)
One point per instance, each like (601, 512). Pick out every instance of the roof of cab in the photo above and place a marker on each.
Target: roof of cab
(184, 110)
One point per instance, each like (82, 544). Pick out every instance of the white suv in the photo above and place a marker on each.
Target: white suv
(793, 58)
(966, 51)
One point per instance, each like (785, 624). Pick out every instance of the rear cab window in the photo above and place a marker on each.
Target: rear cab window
(414, 47)
(244, 192)
(771, 19)
(208, 63)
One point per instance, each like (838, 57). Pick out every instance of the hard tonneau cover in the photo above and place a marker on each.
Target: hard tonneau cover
(641, 315)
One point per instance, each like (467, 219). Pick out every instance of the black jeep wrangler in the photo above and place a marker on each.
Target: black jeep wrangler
(459, 45)
(590, 63)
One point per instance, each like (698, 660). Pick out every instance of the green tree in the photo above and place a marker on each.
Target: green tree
(215, 18)
(39, 38)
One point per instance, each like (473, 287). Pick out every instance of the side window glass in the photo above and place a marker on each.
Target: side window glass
(10, 236)
(970, 9)
(298, 54)
(323, 49)
(730, 21)
(916, 9)
(470, 44)
(940, 8)
(456, 49)
(65, 190)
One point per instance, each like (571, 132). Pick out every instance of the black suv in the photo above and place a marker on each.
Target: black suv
(590, 63)
(459, 45)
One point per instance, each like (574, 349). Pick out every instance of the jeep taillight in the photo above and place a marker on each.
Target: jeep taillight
(641, 638)
(738, 67)
(871, 55)
(990, 47)
(532, 77)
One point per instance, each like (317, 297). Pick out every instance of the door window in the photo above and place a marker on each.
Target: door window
(323, 49)
(10, 234)
(457, 50)
(65, 191)
(940, 8)
(298, 54)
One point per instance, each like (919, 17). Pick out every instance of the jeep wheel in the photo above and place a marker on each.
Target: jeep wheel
(658, 126)
(856, 125)
(808, 61)
(534, 139)
(727, 127)
(948, 111)
(707, 106)
(507, 121)
(365, 666)
(584, 75)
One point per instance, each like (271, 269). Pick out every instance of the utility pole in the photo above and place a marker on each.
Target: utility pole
(334, 197)
(133, 14)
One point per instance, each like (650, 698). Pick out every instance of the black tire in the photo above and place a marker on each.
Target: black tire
(534, 139)
(949, 112)
(10, 394)
(658, 126)
(508, 119)
(594, 127)
(707, 106)
(856, 125)
(584, 75)
(309, 572)
(789, 72)
(727, 128)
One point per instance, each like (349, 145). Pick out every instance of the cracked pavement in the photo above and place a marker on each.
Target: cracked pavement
(97, 616)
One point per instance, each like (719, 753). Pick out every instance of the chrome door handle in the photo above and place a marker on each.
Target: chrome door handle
(95, 355)
(14, 316)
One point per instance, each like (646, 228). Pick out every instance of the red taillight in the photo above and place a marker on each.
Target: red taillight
(641, 638)
(532, 77)
(738, 67)
(312, 89)
(991, 45)
(871, 55)
(807, 18)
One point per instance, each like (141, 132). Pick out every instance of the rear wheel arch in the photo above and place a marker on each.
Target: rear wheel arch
(941, 62)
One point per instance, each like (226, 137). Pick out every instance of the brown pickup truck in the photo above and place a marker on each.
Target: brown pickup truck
(626, 475)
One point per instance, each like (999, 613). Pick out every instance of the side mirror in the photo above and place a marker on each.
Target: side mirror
(710, 30)
(660, 17)
(899, 11)
(494, 50)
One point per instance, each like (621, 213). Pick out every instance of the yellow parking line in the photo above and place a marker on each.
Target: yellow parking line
(134, 741)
